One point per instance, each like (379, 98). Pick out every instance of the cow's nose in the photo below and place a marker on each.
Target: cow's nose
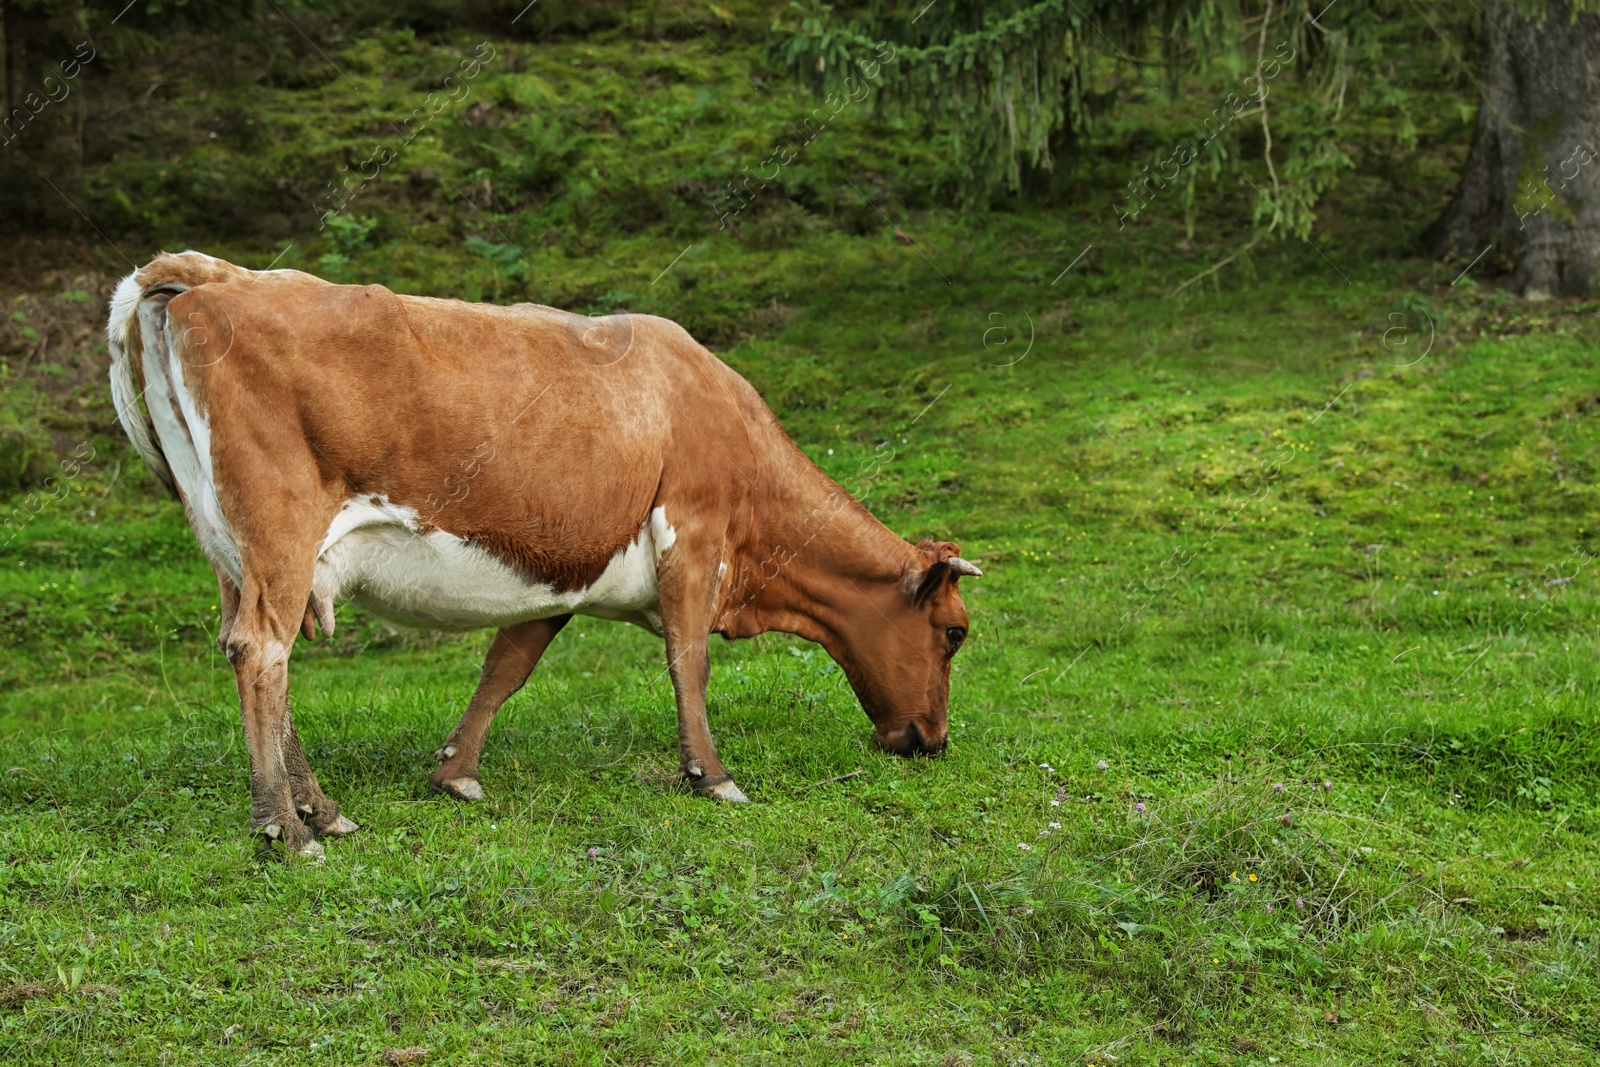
(915, 738)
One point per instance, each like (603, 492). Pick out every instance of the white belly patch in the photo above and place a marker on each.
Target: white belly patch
(378, 555)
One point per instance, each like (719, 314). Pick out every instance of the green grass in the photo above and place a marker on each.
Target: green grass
(1236, 539)
(1441, 684)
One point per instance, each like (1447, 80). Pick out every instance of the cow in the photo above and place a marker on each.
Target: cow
(459, 466)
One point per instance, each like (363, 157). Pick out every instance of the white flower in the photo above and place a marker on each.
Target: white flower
(1024, 846)
(1055, 826)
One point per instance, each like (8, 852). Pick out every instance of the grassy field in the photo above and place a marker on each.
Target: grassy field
(1274, 741)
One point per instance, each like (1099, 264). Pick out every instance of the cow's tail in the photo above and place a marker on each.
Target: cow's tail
(123, 338)
(135, 332)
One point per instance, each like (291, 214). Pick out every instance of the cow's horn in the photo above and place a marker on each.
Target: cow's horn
(960, 566)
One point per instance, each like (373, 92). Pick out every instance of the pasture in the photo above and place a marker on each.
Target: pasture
(1274, 739)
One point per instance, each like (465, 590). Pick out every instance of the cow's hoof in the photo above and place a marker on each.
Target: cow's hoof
(341, 827)
(444, 753)
(724, 790)
(462, 788)
(297, 842)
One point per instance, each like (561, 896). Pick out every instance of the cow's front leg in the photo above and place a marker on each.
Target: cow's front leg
(689, 661)
(511, 659)
(687, 592)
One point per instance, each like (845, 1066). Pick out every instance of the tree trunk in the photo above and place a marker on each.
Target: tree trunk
(5, 67)
(16, 63)
(1530, 191)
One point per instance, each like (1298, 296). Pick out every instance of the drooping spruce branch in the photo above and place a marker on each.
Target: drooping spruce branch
(1294, 81)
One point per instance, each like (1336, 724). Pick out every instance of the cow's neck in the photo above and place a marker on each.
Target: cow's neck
(813, 557)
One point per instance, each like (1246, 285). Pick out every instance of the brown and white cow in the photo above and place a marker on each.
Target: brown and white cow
(455, 465)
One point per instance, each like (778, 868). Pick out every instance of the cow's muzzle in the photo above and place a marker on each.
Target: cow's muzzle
(915, 738)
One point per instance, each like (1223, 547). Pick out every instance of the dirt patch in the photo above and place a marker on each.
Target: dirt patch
(13, 995)
(54, 395)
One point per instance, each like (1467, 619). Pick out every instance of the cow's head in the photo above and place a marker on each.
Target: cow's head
(898, 651)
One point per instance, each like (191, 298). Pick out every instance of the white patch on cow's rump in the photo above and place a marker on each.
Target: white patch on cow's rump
(215, 533)
(185, 435)
(384, 558)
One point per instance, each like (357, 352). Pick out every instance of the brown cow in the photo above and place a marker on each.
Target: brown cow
(456, 465)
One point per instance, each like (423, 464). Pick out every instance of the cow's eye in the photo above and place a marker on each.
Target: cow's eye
(954, 636)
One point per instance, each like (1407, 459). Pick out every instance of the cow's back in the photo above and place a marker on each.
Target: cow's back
(541, 435)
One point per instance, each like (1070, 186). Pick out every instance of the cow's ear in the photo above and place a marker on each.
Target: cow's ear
(941, 562)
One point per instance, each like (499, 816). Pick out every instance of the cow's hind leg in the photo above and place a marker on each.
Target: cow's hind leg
(316, 809)
(511, 659)
(287, 805)
(311, 803)
(227, 606)
(259, 651)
